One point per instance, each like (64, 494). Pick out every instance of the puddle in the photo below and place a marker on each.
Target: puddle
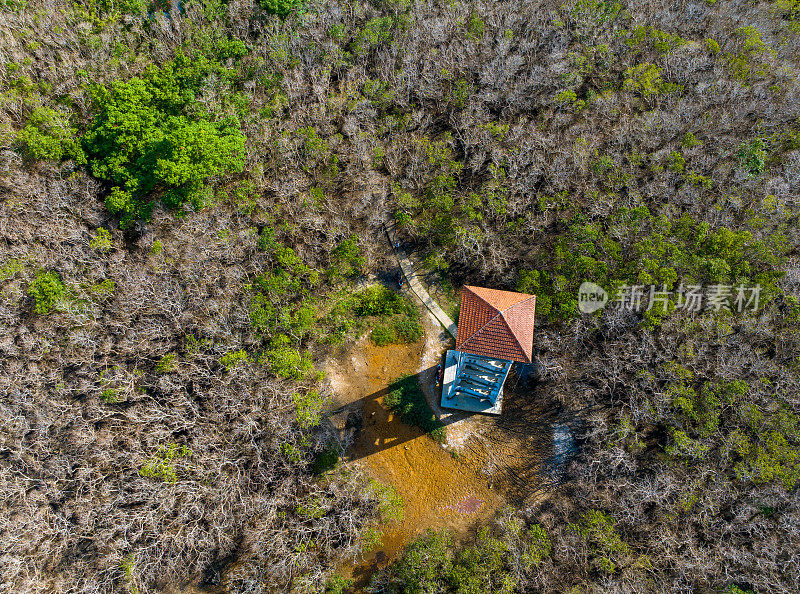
(439, 490)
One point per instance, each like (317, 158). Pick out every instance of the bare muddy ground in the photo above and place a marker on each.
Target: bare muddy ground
(439, 490)
(459, 486)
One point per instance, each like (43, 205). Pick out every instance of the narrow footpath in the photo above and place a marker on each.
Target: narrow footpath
(416, 287)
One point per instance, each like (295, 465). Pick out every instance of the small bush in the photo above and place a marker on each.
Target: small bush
(383, 335)
(101, 240)
(407, 398)
(325, 461)
(231, 360)
(48, 136)
(161, 466)
(308, 408)
(348, 256)
(10, 269)
(753, 156)
(281, 8)
(166, 364)
(109, 396)
(378, 300)
(46, 290)
(390, 504)
(408, 329)
(288, 362)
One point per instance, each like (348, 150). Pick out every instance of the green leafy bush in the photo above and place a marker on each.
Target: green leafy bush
(166, 364)
(489, 564)
(753, 156)
(378, 300)
(161, 466)
(309, 406)
(46, 290)
(10, 269)
(281, 8)
(232, 359)
(48, 135)
(383, 335)
(101, 240)
(150, 140)
(408, 329)
(347, 255)
(288, 362)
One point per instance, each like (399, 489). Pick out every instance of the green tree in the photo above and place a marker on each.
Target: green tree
(46, 290)
(150, 140)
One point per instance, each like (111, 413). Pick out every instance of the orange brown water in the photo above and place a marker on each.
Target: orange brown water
(439, 490)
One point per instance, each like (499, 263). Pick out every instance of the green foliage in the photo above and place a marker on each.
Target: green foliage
(103, 289)
(232, 359)
(605, 544)
(675, 162)
(128, 568)
(749, 62)
(684, 446)
(288, 362)
(475, 27)
(753, 156)
(789, 11)
(308, 408)
(338, 584)
(661, 41)
(292, 453)
(109, 396)
(150, 138)
(379, 31)
(49, 136)
(377, 300)
(636, 247)
(489, 564)
(407, 399)
(568, 98)
(101, 240)
(10, 269)
(383, 335)
(645, 80)
(325, 461)
(46, 290)
(689, 141)
(166, 364)
(347, 257)
(390, 504)
(281, 8)
(408, 329)
(162, 465)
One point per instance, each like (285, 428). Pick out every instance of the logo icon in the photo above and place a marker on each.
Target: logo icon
(591, 297)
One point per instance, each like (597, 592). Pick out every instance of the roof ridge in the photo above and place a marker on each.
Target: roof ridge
(474, 334)
(513, 305)
(513, 334)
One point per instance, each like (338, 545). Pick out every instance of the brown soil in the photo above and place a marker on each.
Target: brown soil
(439, 490)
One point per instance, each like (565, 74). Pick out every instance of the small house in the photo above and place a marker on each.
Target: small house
(495, 329)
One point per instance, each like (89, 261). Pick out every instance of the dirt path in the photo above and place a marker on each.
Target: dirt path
(439, 490)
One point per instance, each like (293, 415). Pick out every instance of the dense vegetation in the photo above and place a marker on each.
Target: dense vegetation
(192, 197)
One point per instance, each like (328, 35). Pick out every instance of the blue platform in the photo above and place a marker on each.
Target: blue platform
(474, 383)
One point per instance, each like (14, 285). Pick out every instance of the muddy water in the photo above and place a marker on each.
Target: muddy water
(439, 490)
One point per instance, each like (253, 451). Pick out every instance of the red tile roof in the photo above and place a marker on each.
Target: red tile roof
(496, 324)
